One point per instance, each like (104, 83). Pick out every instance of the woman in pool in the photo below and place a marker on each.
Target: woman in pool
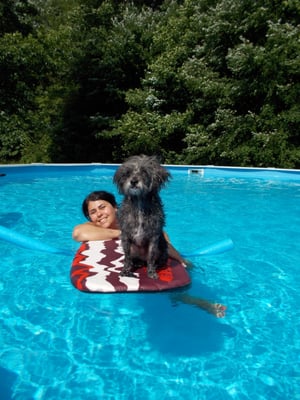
(100, 208)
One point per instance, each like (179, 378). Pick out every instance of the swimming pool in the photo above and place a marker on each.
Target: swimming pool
(59, 343)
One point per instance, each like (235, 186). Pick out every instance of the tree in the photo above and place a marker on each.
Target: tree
(209, 81)
(112, 62)
(32, 88)
(229, 69)
(17, 16)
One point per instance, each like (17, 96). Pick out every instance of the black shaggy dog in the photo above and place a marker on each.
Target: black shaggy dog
(141, 216)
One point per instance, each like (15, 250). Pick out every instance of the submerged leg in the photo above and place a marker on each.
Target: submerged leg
(216, 309)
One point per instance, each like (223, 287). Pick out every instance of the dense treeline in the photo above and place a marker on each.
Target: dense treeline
(195, 81)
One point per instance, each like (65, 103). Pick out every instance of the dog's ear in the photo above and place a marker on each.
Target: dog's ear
(165, 175)
(160, 175)
(118, 179)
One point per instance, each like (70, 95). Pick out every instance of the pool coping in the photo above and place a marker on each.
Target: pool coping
(203, 171)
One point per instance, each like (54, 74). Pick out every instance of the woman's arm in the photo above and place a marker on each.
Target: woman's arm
(90, 231)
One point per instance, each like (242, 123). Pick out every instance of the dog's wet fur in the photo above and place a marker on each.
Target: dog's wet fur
(141, 216)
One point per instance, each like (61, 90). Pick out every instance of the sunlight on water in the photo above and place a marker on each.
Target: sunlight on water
(59, 343)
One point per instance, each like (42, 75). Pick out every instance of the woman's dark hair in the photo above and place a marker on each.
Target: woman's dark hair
(97, 195)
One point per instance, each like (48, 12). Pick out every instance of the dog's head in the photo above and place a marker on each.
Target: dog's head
(140, 175)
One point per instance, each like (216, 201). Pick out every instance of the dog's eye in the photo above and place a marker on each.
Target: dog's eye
(145, 174)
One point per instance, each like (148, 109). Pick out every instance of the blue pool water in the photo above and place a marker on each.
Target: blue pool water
(59, 343)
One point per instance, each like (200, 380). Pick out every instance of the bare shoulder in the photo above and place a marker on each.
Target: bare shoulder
(166, 237)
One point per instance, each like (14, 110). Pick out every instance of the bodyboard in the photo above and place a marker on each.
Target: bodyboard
(97, 264)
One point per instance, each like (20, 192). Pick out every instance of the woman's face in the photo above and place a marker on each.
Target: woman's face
(102, 214)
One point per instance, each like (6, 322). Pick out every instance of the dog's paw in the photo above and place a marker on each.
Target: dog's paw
(152, 274)
(129, 274)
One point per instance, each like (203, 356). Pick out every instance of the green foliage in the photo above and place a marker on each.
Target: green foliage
(17, 16)
(32, 91)
(23, 67)
(196, 81)
(112, 61)
(225, 65)
(13, 137)
(151, 133)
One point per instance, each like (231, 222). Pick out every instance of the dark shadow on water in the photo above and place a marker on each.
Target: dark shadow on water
(183, 330)
(7, 380)
(10, 219)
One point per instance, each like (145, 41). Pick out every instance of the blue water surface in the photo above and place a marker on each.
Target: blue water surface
(59, 343)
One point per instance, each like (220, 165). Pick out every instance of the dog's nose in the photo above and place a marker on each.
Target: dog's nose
(134, 181)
